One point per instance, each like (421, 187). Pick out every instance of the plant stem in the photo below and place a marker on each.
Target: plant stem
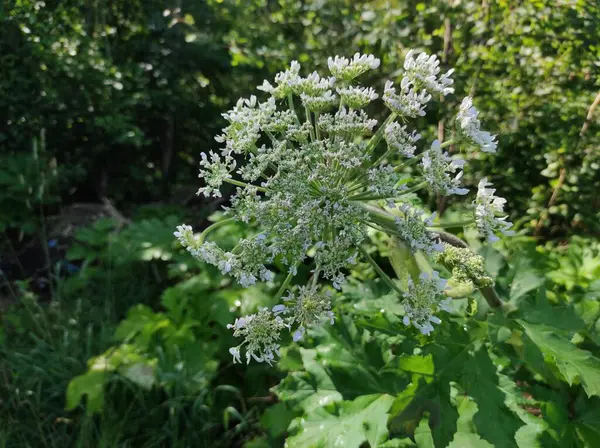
(290, 99)
(409, 162)
(317, 126)
(284, 285)
(309, 121)
(379, 271)
(448, 143)
(243, 184)
(412, 189)
(450, 225)
(377, 136)
(212, 227)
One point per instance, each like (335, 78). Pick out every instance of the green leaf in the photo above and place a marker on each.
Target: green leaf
(141, 373)
(468, 440)
(423, 435)
(90, 384)
(308, 389)
(524, 281)
(574, 363)
(495, 422)
(466, 434)
(277, 418)
(348, 424)
(588, 424)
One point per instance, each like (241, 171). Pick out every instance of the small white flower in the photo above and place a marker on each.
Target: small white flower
(185, 235)
(487, 209)
(279, 309)
(308, 306)
(470, 127)
(346, 122)
(313, 85)
(235, 352)
(438, 169)
(298, 334)
(214, 172)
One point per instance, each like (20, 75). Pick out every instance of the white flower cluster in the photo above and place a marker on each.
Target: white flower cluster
(425, 70)
(421, 79)
(439, 169)
(261, 333)
(399, 139)
(357, 97)
(309, 184)
(487, 209)
(413, 229)
(470, 127)
(408, 102)
(348, 69)
(423, 299)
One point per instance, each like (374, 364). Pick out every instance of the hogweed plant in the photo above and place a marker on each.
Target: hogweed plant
(319, 173)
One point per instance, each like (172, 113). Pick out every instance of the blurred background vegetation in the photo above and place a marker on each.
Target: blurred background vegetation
(104, 109)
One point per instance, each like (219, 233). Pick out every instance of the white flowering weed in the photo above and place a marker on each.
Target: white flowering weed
(315, 179)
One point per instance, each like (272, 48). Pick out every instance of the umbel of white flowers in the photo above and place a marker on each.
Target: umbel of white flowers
(318, 174)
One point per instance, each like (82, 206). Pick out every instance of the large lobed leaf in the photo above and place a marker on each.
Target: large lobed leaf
(348, 424)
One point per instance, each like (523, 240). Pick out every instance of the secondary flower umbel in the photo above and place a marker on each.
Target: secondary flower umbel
(313, 183)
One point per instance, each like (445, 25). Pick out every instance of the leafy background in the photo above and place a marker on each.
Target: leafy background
(113, 336)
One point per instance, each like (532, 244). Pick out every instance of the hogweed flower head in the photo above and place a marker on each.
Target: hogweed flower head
(425, 69)
(309, 185)
(470, 127)
(413, 230)
(442, 172)
(261, 333)
(408, 101)
(357, 97)
(424, 298)
(400, 140)
(487, 210)
(348, 69)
